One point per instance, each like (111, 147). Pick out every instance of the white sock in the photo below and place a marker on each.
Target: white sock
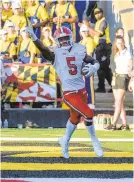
(70, 128)
(91, 131)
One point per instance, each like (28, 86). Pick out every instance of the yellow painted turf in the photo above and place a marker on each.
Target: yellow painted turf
(72, 154)
(72, 167)
(34, 148)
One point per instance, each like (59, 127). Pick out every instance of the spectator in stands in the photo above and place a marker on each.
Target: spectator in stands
(42, 2)
(48, 40)
(18, 19)
(24, 4)
(12, 34)
(7, 48)
(123, 62)
(100, 34)
(89, 44)
(6, 11)
(120, 32)
(87, 40)
(63, 14)
(28, 50)
(37, 15)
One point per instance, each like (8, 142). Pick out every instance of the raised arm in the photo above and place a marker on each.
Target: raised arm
(46, 53)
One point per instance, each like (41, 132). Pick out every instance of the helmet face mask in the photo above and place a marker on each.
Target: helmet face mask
(63, 38)
(64, 41)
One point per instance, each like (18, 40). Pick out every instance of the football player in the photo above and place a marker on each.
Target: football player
(71, 63)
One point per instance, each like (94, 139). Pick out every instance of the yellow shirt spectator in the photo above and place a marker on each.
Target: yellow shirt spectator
(6, 14)
(48, 42)
(31, 47)
(12, 37)
(60, 10)
(89, 43)
(6, 11)
(19, 21)
(41, 14)
(64, 14)
(4, 46)
(24, 3)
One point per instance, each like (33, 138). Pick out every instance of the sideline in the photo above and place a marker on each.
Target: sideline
(72, 140)
(66, 180)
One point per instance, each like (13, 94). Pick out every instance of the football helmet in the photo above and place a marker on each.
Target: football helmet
(63, 37)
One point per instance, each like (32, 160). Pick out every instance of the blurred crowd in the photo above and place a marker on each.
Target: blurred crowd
(89, 28)
(43, 16)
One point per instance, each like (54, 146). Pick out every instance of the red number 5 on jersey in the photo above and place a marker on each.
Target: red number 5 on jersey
(73, 67)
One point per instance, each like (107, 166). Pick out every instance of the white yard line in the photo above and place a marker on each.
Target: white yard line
(71, 179)
(73, 139)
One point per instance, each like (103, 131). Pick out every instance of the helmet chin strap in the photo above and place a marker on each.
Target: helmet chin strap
(66, 47)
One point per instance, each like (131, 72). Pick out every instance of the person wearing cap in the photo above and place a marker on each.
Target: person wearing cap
(27, 50)
(101, 37)
(24, 3)
(6, 11)
(12, 34)
(47, 40)
(7, 48)
(37, 15)
(18, 19)
(63, 14)
(88, 42)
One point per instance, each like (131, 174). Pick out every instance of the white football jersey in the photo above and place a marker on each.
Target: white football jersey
(68, 67)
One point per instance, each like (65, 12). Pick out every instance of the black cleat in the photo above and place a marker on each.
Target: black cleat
(100, 90)
(110, 90)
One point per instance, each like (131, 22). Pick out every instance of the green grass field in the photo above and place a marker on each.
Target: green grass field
(79, 133)
(52, 133)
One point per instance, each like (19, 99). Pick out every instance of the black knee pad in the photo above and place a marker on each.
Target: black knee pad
(89, 123)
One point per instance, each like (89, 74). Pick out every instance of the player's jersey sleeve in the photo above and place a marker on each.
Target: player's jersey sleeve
(89, 59)
(46, 53)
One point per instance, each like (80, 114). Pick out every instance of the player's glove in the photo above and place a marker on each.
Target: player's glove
(89, 69)
(32, 34)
